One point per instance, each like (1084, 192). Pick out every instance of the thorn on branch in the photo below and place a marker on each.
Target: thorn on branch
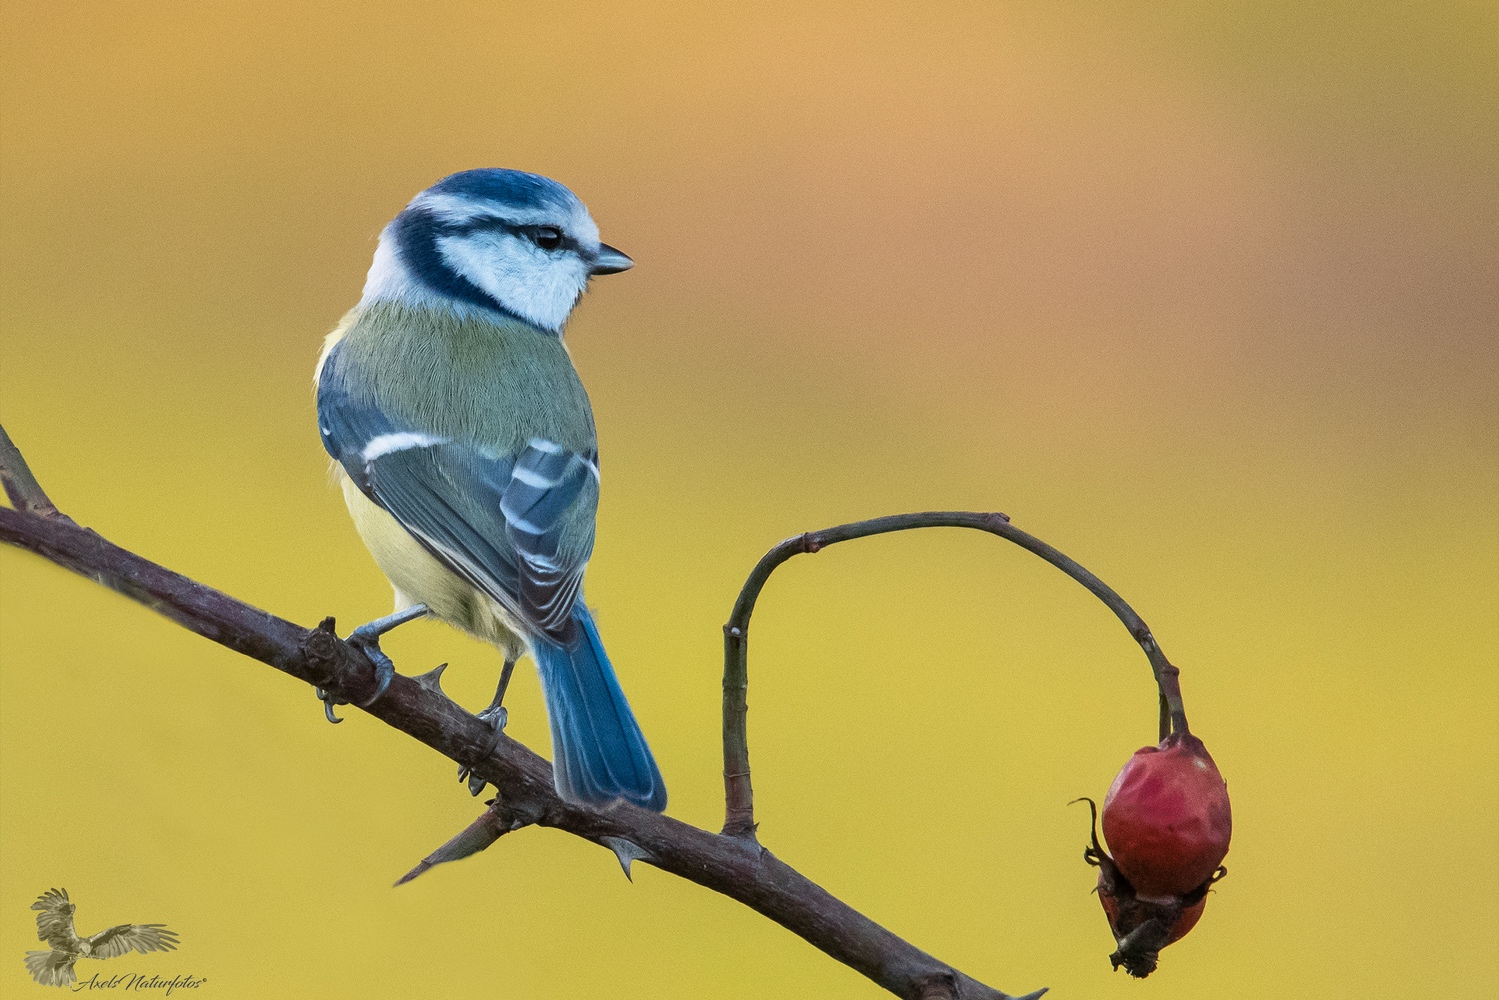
(476, 837)
(431, 681)
(626, 852)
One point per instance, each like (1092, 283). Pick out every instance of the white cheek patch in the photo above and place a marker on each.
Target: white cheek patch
(529, 282)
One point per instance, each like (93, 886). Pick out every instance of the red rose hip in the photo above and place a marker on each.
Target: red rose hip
(1168, 822)
(1167, 818)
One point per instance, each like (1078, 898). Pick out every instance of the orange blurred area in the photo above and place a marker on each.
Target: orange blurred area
(1204, 295)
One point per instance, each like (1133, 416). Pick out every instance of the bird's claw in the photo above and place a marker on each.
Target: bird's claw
(497, 716)
(384, 671)
(384, 668)
(367, 639)
(329, 700)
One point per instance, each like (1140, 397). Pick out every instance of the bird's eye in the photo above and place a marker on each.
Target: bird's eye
(547, 237)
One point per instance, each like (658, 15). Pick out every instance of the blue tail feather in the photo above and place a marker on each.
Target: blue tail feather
(600, 753)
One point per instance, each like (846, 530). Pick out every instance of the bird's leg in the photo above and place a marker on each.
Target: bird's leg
(495, 713)
(367, 638)
(497, 717)
(370, 632)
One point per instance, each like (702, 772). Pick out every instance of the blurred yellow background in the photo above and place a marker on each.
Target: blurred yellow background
(1204, 294)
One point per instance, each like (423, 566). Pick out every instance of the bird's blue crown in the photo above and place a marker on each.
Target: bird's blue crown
(506, 188)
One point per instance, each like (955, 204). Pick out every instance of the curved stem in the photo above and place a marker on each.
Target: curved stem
(739, 800)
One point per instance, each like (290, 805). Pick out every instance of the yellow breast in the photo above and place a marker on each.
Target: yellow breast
(419, 578)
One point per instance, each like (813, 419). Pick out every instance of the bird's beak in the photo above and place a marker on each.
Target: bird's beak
(610, 261)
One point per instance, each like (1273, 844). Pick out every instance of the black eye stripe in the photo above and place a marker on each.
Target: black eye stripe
(494, 224)
(417, 234)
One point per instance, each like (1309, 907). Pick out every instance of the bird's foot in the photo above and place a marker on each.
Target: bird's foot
(384, 668)
(366, 638)
(497, 716)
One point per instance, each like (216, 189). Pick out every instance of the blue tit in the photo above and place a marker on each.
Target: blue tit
(465, 447)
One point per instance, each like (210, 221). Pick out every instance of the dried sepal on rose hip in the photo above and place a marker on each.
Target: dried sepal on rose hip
(1168, 822)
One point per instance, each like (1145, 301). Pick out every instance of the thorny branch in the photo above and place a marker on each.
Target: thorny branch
(734, 866)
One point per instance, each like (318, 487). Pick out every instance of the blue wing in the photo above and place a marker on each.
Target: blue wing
(520, 529)
(496, 520)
